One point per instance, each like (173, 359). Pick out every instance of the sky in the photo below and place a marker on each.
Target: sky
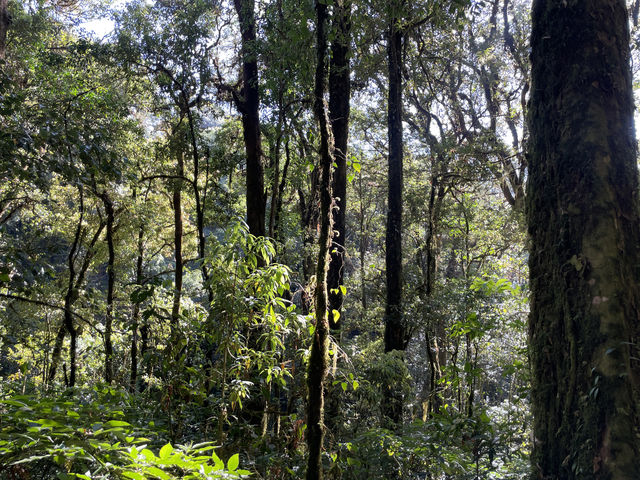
(100, 27)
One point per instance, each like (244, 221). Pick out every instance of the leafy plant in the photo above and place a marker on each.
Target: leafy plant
(92, 434)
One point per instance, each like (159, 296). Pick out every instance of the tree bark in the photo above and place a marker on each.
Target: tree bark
(5, 21)
(199, 201)
(309, 213)
(394, 331)
(319, 358)
(249, 107)
(135, 320)
(339, 107)
(584, 227)
(281, 187)
(177, 248)
(276, 176)
(74, 284)
(71, 294)
(111, 278)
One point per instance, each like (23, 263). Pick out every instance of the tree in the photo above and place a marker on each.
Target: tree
(394, 331)
(319, 357)
(339, 107)
(111, 279)
(249, 105)
(584, 227)
(180, 68)
(5, 21)
(78, 264)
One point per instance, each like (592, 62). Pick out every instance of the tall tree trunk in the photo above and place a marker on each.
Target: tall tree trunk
(339, 107)
(74, 284)
(584, 227)
(435, 333)
(177, 248)
(363, 249)
(249, 108)
(111, 277)
(202, 240)
(276, 149)
(309, 214)
(135, 320)
(56, 354)
(319, 358)
(5, 21)
(71, 294)
(281, 187)
(394, 332)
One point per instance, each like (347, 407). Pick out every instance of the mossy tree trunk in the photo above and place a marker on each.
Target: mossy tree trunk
(584, 262)
(319, 358)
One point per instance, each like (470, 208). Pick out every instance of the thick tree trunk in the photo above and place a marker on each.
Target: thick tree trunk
(249, 107)
(319, 358)
(583, 222)
(339, 106)
(394, 331)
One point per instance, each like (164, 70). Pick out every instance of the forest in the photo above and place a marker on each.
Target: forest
(280, 239)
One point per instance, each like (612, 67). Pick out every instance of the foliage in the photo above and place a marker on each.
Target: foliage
(148, 114)
(87, 434)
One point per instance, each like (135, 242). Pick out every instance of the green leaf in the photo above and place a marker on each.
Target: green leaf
(234, 461)
(116, 423)
(166, 451)
(134, 475)
(159, 473)
(148, 454)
